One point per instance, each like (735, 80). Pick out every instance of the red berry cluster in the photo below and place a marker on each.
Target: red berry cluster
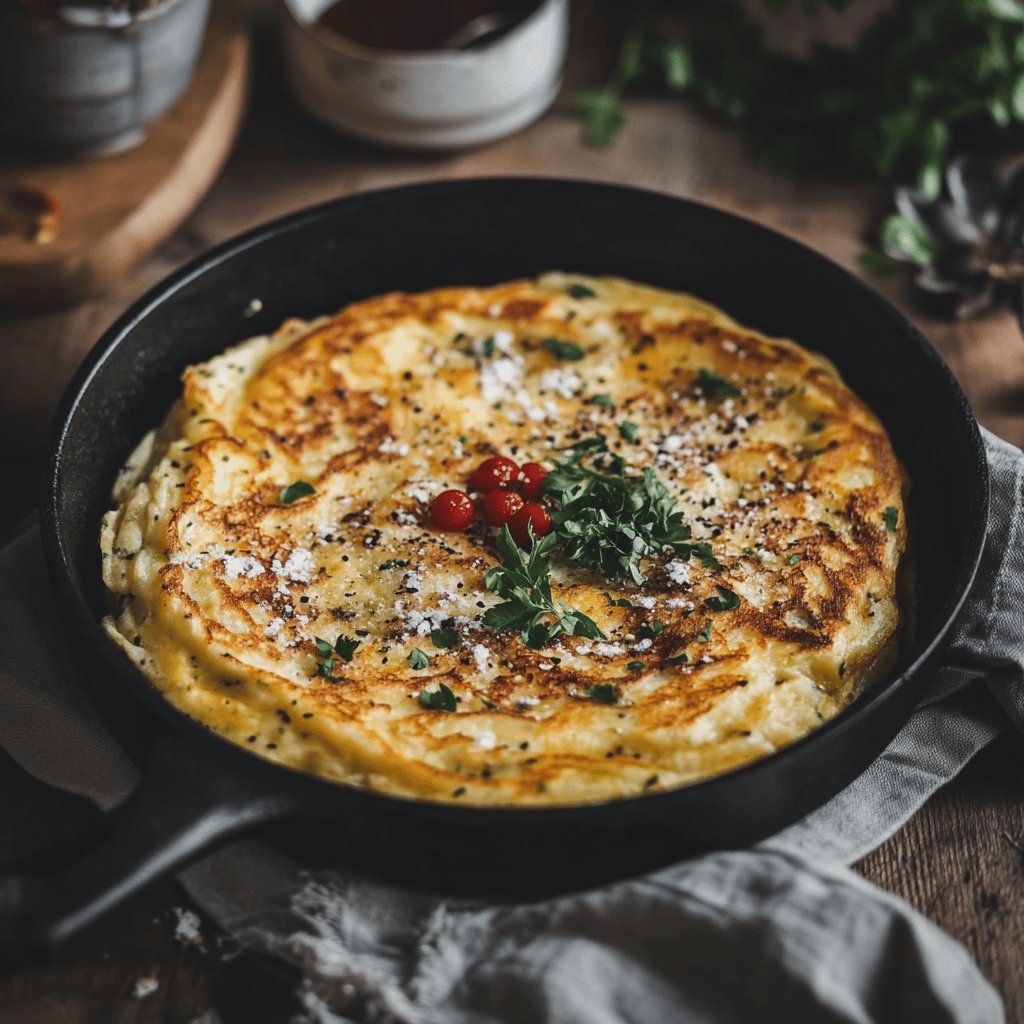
(509, 494)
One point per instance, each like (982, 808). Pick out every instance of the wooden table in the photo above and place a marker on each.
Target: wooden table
(960, 860)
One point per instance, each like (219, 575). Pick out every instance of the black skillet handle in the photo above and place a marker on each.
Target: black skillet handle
(183, 806)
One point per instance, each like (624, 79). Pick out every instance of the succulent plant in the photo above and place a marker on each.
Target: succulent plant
(967, 243)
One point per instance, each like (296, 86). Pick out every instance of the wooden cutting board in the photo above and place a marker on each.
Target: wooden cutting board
(116, 209)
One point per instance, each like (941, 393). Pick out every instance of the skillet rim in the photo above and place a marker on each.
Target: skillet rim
(61, 565)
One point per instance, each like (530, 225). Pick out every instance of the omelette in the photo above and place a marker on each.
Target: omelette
(691, 560)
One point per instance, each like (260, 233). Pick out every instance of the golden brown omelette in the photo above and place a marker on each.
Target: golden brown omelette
(720, 579)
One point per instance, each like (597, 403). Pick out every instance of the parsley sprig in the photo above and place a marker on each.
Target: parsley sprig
(444, 637)
(714, 386)
(345, 647)
(294, 491)
(609, 519)
(441, 699)
(523, 580)
(724, 601)
(563, 350)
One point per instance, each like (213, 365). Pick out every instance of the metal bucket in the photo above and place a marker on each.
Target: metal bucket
(88, 80)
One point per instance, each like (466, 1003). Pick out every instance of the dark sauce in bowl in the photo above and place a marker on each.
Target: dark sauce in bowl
(424, 24)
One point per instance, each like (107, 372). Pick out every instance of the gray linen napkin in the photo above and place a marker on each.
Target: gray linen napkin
(782, 932)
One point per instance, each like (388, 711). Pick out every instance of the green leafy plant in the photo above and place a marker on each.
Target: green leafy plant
(924, 78)
(963, 245)
(646, 54)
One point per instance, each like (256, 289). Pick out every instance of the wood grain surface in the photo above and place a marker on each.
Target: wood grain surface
(116, 210)
(960, 860)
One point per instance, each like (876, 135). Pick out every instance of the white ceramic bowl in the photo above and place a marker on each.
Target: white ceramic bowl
(438, 99)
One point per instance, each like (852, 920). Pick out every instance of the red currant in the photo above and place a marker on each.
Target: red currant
(531, 514)
(493, 473)
(531, 479)
(452, 510)
(498, 507)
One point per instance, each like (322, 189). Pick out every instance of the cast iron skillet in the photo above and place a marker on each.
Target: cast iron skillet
(197, 790)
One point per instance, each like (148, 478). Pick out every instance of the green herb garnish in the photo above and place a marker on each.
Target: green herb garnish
(603, 401)
(441, 699)
(678, 659)
(344, 647)
(417, 659)
(325, 667)
(488, 346)
(597, 443)
(609, 519)
(793, 559)
(581, 291)
(635, 666)
(568, 351)
(724, 601)
(490, 705)
(705, 634)
(702, 552)
(604, 693)
(629, 431)
(713, 386)
(891, 516)
(444, 637)
(299, 489)
(528, 606)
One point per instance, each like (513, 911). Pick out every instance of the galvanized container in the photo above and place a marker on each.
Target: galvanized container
(88, 79)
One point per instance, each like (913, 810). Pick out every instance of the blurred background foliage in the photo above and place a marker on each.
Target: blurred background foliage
(923, 79)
